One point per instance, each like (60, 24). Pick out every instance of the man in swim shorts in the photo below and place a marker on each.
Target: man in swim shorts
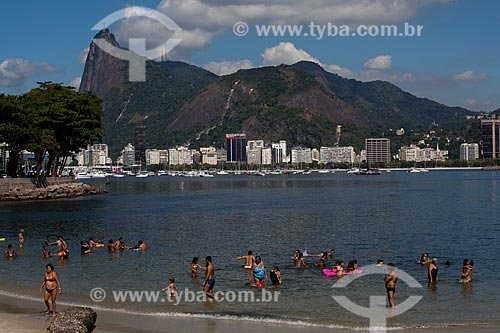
(209, 281)
(390, 284)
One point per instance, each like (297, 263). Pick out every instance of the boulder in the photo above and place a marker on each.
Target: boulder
(74, 320)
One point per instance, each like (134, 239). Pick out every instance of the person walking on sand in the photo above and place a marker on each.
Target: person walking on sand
(249, 260)
(52, 287)
(390, 284)
(209, 281)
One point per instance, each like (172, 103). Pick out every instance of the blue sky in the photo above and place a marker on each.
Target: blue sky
(454, 62)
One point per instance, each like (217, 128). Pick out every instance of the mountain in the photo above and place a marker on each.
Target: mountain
(153, 103)
(302, 103)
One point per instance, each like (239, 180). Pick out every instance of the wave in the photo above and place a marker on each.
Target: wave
(250, 317)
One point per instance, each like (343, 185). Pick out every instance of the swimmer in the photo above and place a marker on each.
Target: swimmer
(321, 263)
(390, 285)
(45, 253)
(120, 244)
(380, 263)
(324, 255)
(275, 276)
(111, 246)
(91, 242)
(85, 247)
(194, 268)
(172, 287)
(299, 263)
(339, 267)
(424, 260)
(10, 252)
(140, 246)
(249, 261)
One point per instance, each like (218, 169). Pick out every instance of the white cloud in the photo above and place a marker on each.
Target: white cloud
(228, 67)
(285, 53)
(15, 71)
(76, 83)
(202, 20)
(288, 54)
(82, 58)
(380, 62)
(470, 76)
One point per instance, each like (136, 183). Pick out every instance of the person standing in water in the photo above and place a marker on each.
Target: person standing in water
(52, 287)
(209, 281)
(390, 284)
(259, 272)
(432, 271)
(249, 260)
(194, 268)
(20, 237)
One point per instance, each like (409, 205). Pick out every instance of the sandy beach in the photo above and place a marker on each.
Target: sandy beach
(20, 315)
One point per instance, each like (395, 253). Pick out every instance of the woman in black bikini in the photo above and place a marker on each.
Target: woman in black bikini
(432, 271)
(52, 286)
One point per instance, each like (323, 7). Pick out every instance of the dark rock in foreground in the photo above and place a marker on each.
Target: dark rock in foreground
(51, 192)
(74, 320)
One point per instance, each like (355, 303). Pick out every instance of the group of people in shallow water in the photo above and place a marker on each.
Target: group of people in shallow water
(253, 265)
(51, 280)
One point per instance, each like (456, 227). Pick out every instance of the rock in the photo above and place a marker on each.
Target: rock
(60, 191)
(74, 320)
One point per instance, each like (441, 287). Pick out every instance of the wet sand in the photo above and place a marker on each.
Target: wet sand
(19, 315)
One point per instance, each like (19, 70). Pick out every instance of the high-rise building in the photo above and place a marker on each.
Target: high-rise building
(163, 156)
(128, 155)
(254, 152)
(267, 156)
(140, 144)
(208, 155)
(277, 153)
(469, 151)
(152, 157)
(284, 151)
(173, 156)
(301, 155)
(337, 155)
(491, 138)
(378, 150)
(236, 147)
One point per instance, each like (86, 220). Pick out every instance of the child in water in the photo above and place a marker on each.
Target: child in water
(172, 287)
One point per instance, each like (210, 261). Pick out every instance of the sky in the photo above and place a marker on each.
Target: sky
(454, 61)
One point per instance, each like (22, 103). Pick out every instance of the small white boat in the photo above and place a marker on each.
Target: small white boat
(142, 175)
(83, 175)
(222, 172)
(98, 174)
(118, 175)
(206, 174)
(324, 171)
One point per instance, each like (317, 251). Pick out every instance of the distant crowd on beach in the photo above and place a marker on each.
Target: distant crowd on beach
(253, 265)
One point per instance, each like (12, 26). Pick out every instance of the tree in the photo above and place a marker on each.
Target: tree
(52, 119)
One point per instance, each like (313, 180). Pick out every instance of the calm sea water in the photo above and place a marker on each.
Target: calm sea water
(396, 216)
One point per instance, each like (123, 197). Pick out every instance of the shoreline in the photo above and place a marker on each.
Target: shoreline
(27, 316)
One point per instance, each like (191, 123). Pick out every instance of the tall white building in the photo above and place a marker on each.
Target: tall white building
(173, 157)
(267, 156)
(128, 155)
(301, 155)
(410, 154)
(152, 157)
(277, 153)
(469, 151)
(284, 151)
(163, 156)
